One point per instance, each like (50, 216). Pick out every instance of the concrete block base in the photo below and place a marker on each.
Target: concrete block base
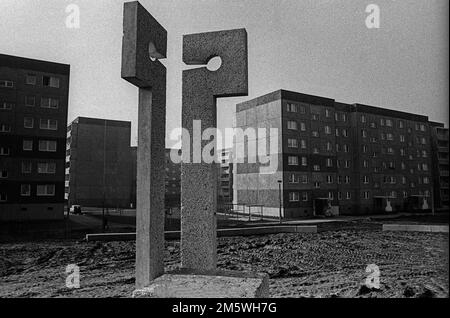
(416, 228)
(214, 284)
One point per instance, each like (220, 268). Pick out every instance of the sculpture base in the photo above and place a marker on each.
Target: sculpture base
(212, 284)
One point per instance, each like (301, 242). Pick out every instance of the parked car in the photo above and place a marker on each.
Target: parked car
(75, 209)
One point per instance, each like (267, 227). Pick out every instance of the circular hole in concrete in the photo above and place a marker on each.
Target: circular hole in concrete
(152, 52)
(214, 63)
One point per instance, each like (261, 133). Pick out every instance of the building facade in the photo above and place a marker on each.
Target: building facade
(33, 119)
(99, 163)
(225, 177)
(440, 145)
(335, 157)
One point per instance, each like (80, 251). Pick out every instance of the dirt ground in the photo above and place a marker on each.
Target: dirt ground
(325, 264)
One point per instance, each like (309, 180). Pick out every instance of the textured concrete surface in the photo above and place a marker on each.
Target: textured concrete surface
(210, 284)
(416, 228)
(201, 87)
(144, 36)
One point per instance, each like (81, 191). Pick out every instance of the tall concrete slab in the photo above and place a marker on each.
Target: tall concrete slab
(144, 42)
(201, 88)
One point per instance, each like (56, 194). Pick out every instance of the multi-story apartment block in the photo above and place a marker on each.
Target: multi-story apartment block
(225, 177)
(336, 157)
(33, 119)
(99, 163)
(173, 182)
(440, 145)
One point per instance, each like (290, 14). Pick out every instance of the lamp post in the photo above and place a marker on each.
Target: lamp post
(279, 196)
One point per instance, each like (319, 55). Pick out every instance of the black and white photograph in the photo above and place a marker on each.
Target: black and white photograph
(224, 155)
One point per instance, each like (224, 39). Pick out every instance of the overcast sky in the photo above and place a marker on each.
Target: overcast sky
(319, 47)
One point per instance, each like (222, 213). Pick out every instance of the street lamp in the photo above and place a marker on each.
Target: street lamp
(279, 196)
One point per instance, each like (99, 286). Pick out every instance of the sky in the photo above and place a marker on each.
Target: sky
(318, 47)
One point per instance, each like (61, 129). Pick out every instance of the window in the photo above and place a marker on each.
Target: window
(401, 124)
(347, 163)
(402, 152)
(382, 122)
(424, 167)
(26, 167)
(28, 122)
(329, 146)
(4, 151)
(422, 127)
(48, 102)
(317, 185)
(315, 150)
(50, 81)
(328, 130)
(302, 126)
(292, 143)
(46, 168)
(304, 196)
(424, 154)
(389, 136)
(364, 148)
(30, 101)
(315, 116)
(316, 168)
(423, 141)
(390, 150)
(366, 180)
(345, 148)
(3, 174)
(364, 133)
(293, 178)
(293, 160)
(348, 195)
(329, 162)
(6, 106)
(3, 197)
(294, 197)
(47, 145)
(373, 125)
(426, 180)
(344, 117)
(365, 164)
(337, 132)
(339, 196)
(292, 108)
(347, 179)
(345, 132)
(304, 161)
(339, 179)
(292, 125)
(27, 145)
(25, 190)
(6, 83)
(405, 194)
(388, 122)
(45, 190)
(302, 110)
(363, 118)
(338, 148)
(329, 179)
(5, 128)
(417, 127)
(402, 138)
(330, 195)
(315, 134)
(303, 144)
(30, 79)
(403, 165)
(366, 195)
(304, 179)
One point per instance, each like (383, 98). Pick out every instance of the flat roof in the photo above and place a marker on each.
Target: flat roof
(101, 122)
(327, 102)
(18, 62)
